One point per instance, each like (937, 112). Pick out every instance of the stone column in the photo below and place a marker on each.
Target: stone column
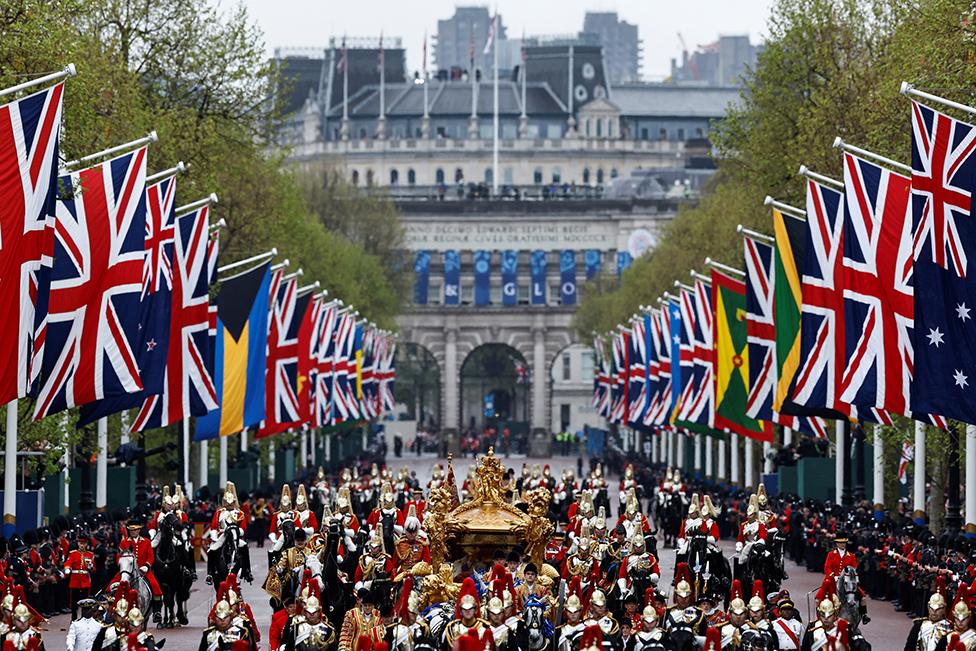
(698, 454)
(970, 480)
(734, 454)
(101, 466)
(879, 470)
(723, 446)
(654, 448)
(787, 436)
(204, 467)
(222, 475)
(540, 442)
(749, 478)
(709, 465)
(767, 449)
(271, 462)
(451, 387)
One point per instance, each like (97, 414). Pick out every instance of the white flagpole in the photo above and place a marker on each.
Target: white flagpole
(222, 477)
(494, 146)
(204, 464)
(426, 80)
(382, 88)
(186, 450)
(101, 466)
(68, 71)
(10, 472)
(149, 138)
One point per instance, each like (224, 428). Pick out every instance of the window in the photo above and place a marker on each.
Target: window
(394, 177)
(699, 133)
(489, 176)
(586, 127)
(467, 294)
(599, 128)
(613, 173)
(411, 177)
(567, 367)
(599, 176)
(439, 175)
(556, 175)
(586, 175)
(643, 133)
(434, 291)
(441, 132)
(523, 294)
(537, 176)
(355, 177)
(681, 134)
(509, 176)
(564, 417)
(586, 364)
(458, 175)
(663, 134)
(609, 128)
(369, 177)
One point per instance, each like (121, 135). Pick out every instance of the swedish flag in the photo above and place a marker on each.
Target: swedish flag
(240, 355)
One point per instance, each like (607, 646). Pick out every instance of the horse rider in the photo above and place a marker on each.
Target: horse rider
(508, 634)
(627, 482)
(305, 518)
(928, 631)
(22, 634)
(309, 630)
(466, 621)
(292, 562)
(639, 565)
(375, 564)
(649, 636)
(138, 637)
(79, 567)
(228, 514)
(962, 632)
(229, 631)
(758, 633)
(167, 504)
(840, 558)
(568, 634)
(751, 531)
(412, 547)
(112, 634)
(411, 630)
(684, 615)
(600, 615)
(142, 549)
(730, 633)
(350, 523)
(829, 630)
(285, 513)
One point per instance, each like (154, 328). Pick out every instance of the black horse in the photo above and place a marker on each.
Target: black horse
(710, 570)
(668, 517)
(170, 568)
(287, 531)
(228, 556)
(758, 565)
(340, 593)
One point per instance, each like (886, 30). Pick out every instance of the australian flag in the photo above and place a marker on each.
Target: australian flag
(943, 181)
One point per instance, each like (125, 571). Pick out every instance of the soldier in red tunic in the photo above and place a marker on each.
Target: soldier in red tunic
(78, 567)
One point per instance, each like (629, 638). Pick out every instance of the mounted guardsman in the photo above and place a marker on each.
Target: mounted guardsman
(228, 514)
(309, 630)
(684, 619)
(639, 569)
(928, 631)
(350, 523)
(758, 633)
(142, 549)
(627, 482)
(305, 518)
(22, 635)
(411, 632)
(229, 631)
(962, 632)
(285, 513)
(650, 637)
(751, 531)
(466, 621)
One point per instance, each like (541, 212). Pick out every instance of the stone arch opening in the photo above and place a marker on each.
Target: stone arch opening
(418, 386)
(495, 390)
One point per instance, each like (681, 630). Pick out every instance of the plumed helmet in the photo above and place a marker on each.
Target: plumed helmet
(285, 502)
(960, 609)
(650, 616)
(135, 617)
(761, 497)
(468, 597)
(757, 602)
(311, 604)
(592, 638)
(637, 540)
(574, 602)
(387, 497)
(411, 522)
(121, 607)
(22, 613)
(753, 510)
(230, 496)
(708, 509)
(937, 600)
(223, 610)
(737, 606)
(713, 639)
(301, 499)
(826, 608)
(496, 606)
(343, 500)
(598, 598)
(601, 519)
(694, 509)
(682, 576)
(167, 498)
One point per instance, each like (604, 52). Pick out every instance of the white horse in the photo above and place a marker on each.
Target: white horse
(129, 572)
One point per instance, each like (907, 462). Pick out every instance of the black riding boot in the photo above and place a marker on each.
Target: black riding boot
(246, 564)
(211, 566)
(157, 603)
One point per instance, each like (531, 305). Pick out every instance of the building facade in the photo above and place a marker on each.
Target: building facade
(588, 172)
(622, 47)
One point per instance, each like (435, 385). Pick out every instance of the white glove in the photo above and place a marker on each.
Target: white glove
(654, 578)
(622, 584)
(738, 547)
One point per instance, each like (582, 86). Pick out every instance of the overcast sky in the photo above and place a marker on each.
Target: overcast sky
(295, 23)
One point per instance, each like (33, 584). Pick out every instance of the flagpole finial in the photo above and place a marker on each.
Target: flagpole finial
(838, 142)
(803, 170)
(71, 70)
(768, 201)
(905, 88)
(738, 228)
(325, 292)
(213, 198)
(153, 136)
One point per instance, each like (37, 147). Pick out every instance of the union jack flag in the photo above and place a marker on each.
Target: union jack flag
(637, 374)
(344, 403)
(821, 321)
(943, 180)
(697, 409)
(601, 379)
(29, 129)
(387, 373)
(152, 341)
(941, 189)
(621, 364)
(879, 309)
(288, 312)
(188, 385)
(366, 379)
(662, 400)
(96, 285)
(761, 333)
(307, 340)
(325, 346)
(686, 358)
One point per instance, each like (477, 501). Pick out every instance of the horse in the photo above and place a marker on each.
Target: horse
(438, 616)
(340, 594)
(540, 629)
(287, 531)
(228, 555)
(710, 570)
(129, 572)
(170, 569)
(758, 565)
(668, 516)
(849, 596)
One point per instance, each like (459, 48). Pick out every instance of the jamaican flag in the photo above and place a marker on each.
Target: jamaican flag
(731, 361)
(790, 234)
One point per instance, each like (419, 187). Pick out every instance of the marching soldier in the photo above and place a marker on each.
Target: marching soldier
(79, 567)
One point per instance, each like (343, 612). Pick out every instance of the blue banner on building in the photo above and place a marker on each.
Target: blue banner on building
(624, 260)
(452, 278)
(421, 271)
(509, 277)
(593, 260)
(538, 278)
(482, 277)
(567, 277)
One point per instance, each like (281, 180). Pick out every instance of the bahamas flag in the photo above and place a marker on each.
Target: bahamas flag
(731, 360)
(240, 354)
